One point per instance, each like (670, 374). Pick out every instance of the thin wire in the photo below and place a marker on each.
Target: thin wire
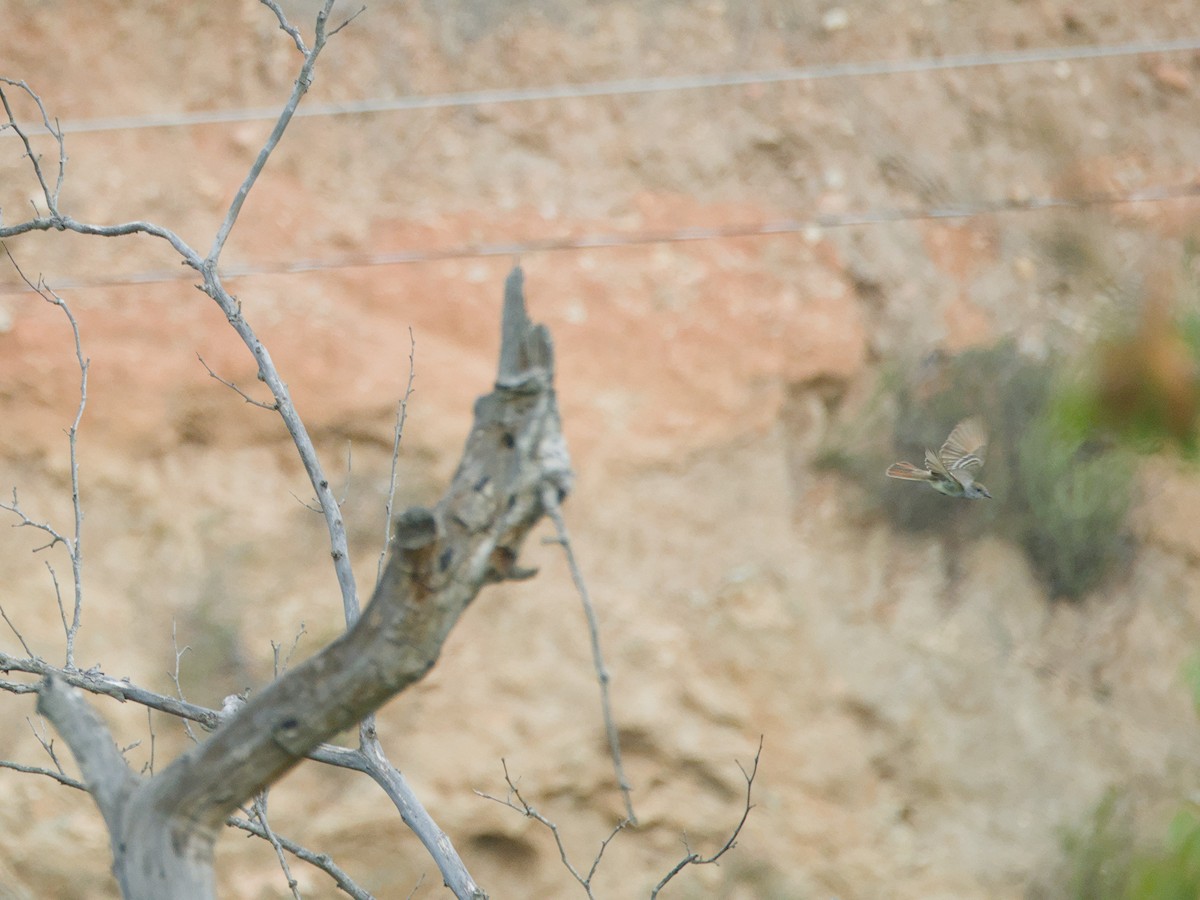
(631, 86)
(632, 239)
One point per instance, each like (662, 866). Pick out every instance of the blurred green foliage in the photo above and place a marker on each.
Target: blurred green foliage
(1099, 855)
(1173, 871)
(1104, 860)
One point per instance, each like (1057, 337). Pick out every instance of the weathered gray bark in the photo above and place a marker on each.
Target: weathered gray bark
(163, 829)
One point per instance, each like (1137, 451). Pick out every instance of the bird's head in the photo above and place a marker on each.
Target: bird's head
(976, 491)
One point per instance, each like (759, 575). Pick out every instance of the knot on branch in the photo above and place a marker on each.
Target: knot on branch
(415, 528)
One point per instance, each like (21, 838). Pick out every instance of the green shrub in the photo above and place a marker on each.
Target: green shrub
(1062, 498)
(1075, 506)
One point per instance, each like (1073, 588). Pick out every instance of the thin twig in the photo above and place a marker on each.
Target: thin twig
(15, 631)
(397, 434)
(148, 769)
(50, 196)
(321, 860)
(303, 82)
(696, 859)
(349, 471)
(550, 500)
(38, 770)
(349, 19)
(47, 744)
(308, 506)
(26, 522)
(62, 612)
(416, 887)
(187, 726)
(525, 809)
(260, 813)
(56, 221)
(284, 25)
(275, 648)
(237, 390)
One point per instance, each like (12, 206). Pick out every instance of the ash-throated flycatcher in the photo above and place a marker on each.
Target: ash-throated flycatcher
(952, 469)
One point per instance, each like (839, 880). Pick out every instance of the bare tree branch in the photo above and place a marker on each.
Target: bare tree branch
(38, 770)
(321, 860)
(303, 82)
(525, 809)
(237, 390)
(96, 682)
(56, 221)
(696, 859)
(610, 726)
(419, 821)
(75, 546)
(48, 194)
(292, 31)
(259, 812)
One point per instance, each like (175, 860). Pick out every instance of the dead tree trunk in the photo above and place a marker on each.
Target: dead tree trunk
(515, 463)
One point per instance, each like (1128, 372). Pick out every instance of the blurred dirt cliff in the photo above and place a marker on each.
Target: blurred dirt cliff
(931, 719)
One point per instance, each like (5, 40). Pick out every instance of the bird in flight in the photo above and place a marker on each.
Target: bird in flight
(952, 470)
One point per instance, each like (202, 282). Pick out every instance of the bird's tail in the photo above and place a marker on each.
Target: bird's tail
(908, 472)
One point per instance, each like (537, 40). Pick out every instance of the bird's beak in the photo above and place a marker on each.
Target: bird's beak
(985, 491)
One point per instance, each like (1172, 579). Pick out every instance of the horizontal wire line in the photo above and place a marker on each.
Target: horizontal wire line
(632, 239)
(633, 86)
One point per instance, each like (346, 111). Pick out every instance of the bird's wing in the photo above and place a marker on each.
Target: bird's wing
(936, 465)
(908, 472)
(965, 450)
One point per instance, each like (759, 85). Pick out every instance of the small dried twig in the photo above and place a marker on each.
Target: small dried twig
(525, 809)
(308, 506)
(397, 434)
(273, 407)
(696, 859)
(280, 668)
(610, 726)
(131, 746)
